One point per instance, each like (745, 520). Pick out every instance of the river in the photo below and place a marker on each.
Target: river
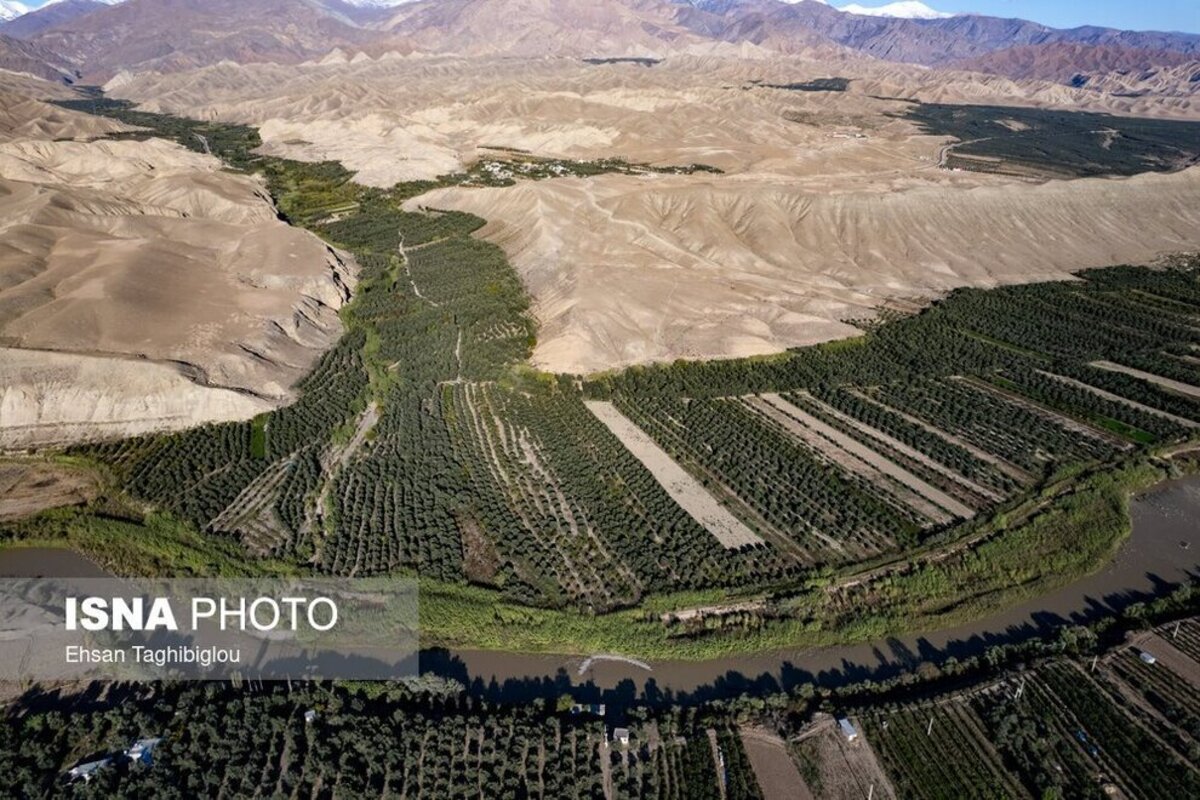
(1163, 551)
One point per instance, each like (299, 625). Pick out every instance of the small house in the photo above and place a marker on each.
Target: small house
(85, 771)
(1148, 657)
(621, 735)
(310, 716)
(848, 729)
(141, 751)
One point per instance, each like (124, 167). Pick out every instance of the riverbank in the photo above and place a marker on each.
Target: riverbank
(1046, 570)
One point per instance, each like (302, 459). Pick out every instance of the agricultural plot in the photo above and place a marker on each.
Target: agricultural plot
(1055, 731)
(424, 440)
(1114, 404)
(552, 521)
(675, 759)
(1033, 441)
(832, 767)
(1049, 143)
(220, 740)
(952, 758)
(1118, 743)
(925, 493)
(1186, 639)
(1158, 380)
(831, 516)
(683, 488)
(1169, 693)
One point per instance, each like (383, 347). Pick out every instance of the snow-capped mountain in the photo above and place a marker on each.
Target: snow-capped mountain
(905, 9)
(11, 9)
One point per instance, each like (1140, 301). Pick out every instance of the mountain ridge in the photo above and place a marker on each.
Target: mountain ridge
(169, 35)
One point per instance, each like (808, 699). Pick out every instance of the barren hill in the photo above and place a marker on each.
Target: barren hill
(33, 59)
(179, 34)
(172, 35)
(143, 286)
(542, 27)
(1106, 68)
(29, 25)
(669, 268)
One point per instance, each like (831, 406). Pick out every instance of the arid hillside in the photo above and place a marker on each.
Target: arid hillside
(831, 204)
(690, 268)
(143, 287)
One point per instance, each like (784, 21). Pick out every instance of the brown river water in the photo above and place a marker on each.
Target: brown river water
(1163, 551)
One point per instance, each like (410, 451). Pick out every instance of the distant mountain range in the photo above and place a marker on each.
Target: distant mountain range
(99, 40)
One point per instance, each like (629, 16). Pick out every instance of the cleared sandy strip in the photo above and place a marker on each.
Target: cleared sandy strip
(871, 457)
(682, 487)
(1157, 380)
(904, 449)
(1116, 398)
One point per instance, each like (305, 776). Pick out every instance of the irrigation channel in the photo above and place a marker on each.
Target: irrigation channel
(1162, 552)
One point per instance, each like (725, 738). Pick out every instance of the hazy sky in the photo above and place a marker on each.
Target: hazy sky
(1168, 15)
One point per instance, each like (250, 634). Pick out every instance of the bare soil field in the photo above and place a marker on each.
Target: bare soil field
(841, 770)
(773, 766)
(682, 487)
(28, 486)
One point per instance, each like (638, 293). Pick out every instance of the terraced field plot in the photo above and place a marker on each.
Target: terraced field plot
(1058, 730)
(950, 758)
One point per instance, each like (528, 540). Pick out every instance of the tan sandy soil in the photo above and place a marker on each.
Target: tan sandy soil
(848, 770)
(683, 488)
(166, 288)
(777, 775)
(28, 486)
